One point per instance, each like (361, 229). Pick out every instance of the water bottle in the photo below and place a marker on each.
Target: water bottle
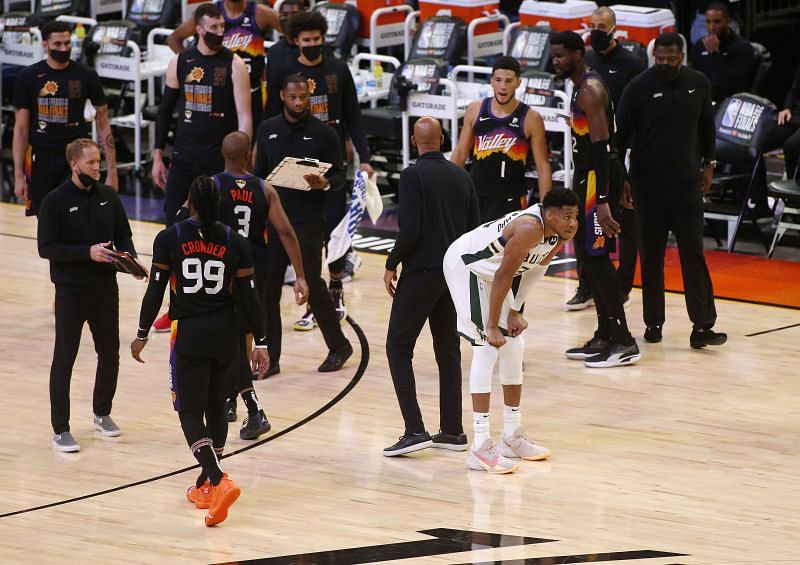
(377, 73)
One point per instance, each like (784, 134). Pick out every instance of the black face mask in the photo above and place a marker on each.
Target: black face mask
(667, 72)
(311, 52)
(213, 41)
(60, 56)
(600, 39)
(86, 180)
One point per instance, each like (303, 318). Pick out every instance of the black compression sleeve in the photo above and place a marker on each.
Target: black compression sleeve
(601, 163)
(168, 102)
(151, 303)
(252, 308)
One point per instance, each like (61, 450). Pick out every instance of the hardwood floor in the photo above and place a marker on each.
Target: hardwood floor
(688, 452)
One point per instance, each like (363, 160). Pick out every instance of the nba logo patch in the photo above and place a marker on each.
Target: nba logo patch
(188, 114)
(241, 183)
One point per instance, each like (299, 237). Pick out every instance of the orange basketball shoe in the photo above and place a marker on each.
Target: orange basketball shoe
(223, 497)
(201, 496)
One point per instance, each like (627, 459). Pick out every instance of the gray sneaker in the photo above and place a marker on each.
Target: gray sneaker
(65, 442)
(486, 458)
(106, 426)
(518, 445)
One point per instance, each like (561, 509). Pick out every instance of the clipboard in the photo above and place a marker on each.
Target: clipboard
(289, 172)
(125, 263)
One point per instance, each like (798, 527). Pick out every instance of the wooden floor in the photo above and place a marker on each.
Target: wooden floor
(689, 452)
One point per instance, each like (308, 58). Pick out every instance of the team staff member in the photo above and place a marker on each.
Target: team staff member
(617, 67)
(247, 202)
(667, 120)
(51, 96)
(203, 258)
(333, 101)
(598, 177)
(246, 25)
(437, 204)
(80, 222)
(498, 133)
(210, 85)
(297, 133)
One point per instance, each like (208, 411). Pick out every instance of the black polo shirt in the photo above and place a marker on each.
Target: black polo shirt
(71, 220)
(618, 67)
(730, 69)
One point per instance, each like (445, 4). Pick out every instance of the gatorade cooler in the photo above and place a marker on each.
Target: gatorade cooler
(366, 7)
(636, 23)
(467, 10)
(571, 15)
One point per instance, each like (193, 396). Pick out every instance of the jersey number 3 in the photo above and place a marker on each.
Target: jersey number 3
(195, 270)
(243, 217)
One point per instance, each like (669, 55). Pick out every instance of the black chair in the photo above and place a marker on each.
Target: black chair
(636, 48)
(440, 37)
(147, 15)
(344, 22)
(539, 88)
(743, 122)
(530, 45)
(47, 10)
(787, 192)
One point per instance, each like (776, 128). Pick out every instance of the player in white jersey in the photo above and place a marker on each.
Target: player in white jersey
(480, 267)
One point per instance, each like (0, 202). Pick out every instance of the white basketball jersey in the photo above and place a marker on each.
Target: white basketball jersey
(481, 249)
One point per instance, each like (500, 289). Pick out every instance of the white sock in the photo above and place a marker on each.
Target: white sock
(480, 426)
(512, 418)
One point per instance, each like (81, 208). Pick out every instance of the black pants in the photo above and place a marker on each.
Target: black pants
(599, 269)
(424, 295)
(100, 308)
(788, 137)
(494, 208)
(310, 236)
(182, 171)
(335, 209)
(48, 169)
(680, 209)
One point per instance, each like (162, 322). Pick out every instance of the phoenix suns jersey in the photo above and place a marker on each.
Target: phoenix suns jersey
(499, 152)
(481, 249)
(581, 141)
(243, 206)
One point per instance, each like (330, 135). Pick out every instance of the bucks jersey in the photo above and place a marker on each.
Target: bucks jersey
(481, 249)
(202, 270)
(581, 141)
(206, 106)
(243, 206)
(499, 152)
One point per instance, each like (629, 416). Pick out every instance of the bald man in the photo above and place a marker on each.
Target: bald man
(438, 204)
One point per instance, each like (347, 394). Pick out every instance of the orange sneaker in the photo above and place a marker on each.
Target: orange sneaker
(200, 496)
(223, 497)
(162, 324)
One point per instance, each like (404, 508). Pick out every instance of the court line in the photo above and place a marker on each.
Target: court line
(362, 367)
(772, 330)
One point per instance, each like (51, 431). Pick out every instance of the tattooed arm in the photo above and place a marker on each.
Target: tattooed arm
(105, 139)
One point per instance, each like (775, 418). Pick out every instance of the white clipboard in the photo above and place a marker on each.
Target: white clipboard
(289, 172)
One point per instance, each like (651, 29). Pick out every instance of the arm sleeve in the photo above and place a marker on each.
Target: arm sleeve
(96, 93)
(528, 279)
(49, 233)
(351, 112)
(153, 297)
(164, 117)
(708, 129)
(410, 218)
(331, 152)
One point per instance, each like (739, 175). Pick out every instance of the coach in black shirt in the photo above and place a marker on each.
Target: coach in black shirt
(667, 120)
(438, 203)
(296, 133)
(79, 223)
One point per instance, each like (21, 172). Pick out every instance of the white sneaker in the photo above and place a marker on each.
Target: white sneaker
(65, 442)
(306, 323)
(106, 426)
(519, 446)
(486, 458)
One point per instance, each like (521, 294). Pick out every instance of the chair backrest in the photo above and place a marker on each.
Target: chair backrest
(344, 21)
(146, 13)
(530, 45)
(538, 87)
(636, 48)
(743, 122)
(47, 10)
(15, 27)
(761, 66)
(424, 72)
(110, 38)
(440, 37)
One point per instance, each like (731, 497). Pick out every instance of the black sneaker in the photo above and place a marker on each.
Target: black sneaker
(409, 444)
(592, 347)
(652, 334)
(337, 296)
(700, 338)
(582, 299)
(616, 355)
(336, 359)
(230, 410)
(450, 441)
(252, 427)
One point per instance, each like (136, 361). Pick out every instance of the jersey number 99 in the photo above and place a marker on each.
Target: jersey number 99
(199, 272)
